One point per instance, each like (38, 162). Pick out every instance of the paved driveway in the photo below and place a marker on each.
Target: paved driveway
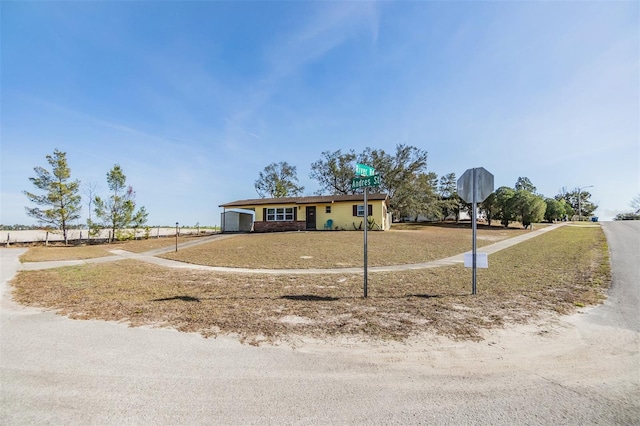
(581, 369)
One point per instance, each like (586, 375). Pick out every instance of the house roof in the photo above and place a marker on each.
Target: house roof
(316, 199)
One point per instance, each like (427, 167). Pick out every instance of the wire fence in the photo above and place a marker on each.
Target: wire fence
(82, 235)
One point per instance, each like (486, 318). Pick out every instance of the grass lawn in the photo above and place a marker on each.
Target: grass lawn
(553, 273)
(404, 244)
(58, 251)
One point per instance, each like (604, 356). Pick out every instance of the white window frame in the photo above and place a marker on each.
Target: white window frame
(360, 210)
(280, 214)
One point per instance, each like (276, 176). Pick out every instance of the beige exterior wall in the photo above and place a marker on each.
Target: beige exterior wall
(343, 218)
(341, 213)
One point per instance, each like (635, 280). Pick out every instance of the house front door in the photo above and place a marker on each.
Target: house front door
(311, 217)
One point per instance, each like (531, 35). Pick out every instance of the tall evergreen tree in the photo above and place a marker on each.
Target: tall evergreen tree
(450, 201)
(60, 201)
(524, 184)
(118, 211)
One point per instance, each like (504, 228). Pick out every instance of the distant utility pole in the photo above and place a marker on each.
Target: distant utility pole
(176, 237)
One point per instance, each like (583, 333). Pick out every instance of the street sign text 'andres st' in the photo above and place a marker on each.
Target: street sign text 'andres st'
(365, 181)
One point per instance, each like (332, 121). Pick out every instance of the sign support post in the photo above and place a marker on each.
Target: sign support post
(474, 231)
(474, 186)
(366, 223)
(365, 177)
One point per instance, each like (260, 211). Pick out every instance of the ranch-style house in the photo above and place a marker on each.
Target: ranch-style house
(322, 212)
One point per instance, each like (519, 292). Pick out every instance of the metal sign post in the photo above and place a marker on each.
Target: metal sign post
(474, 233)
(366, 211)
(474, 186)
(368, 178)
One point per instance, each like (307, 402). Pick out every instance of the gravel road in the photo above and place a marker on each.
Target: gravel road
(581, 369)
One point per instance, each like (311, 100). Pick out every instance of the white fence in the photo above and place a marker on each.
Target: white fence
(31, 236)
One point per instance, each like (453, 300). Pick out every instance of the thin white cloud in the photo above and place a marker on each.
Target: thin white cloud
(170, 142)
(241, 128)
(329, 27)
(326, 30)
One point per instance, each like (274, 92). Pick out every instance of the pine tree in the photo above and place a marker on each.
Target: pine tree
(118, 210)
(60, 201)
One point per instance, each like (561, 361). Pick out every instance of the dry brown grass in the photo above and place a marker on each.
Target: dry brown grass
(555, 272)
(58, 251)
(140, 246)
(54, 252)
(342, 249)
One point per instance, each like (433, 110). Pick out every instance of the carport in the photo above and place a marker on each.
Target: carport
(237, 220)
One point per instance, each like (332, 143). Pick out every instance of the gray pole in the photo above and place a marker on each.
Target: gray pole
(176, 237)
(366, 222)
(474, 231)
(579, 213)
(580, 199)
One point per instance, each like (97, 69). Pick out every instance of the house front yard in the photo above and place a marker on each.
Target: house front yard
(58, 251)
(403, 244)
(555, 273)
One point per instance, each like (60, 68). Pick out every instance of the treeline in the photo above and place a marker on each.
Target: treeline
(414, 191)
(631, 215)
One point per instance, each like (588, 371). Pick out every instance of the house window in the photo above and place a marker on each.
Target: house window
(358, 210)
(327, 209)
(280, 214)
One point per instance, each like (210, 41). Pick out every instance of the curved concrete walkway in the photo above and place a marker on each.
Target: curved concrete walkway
(150, 257)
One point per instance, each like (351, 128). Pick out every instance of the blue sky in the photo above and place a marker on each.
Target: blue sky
(194, 99)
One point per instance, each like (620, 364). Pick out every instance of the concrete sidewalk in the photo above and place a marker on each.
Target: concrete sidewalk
(150, 257)
(119, 254)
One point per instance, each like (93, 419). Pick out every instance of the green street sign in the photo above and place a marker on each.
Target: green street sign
(364, 170)
(364, 182)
